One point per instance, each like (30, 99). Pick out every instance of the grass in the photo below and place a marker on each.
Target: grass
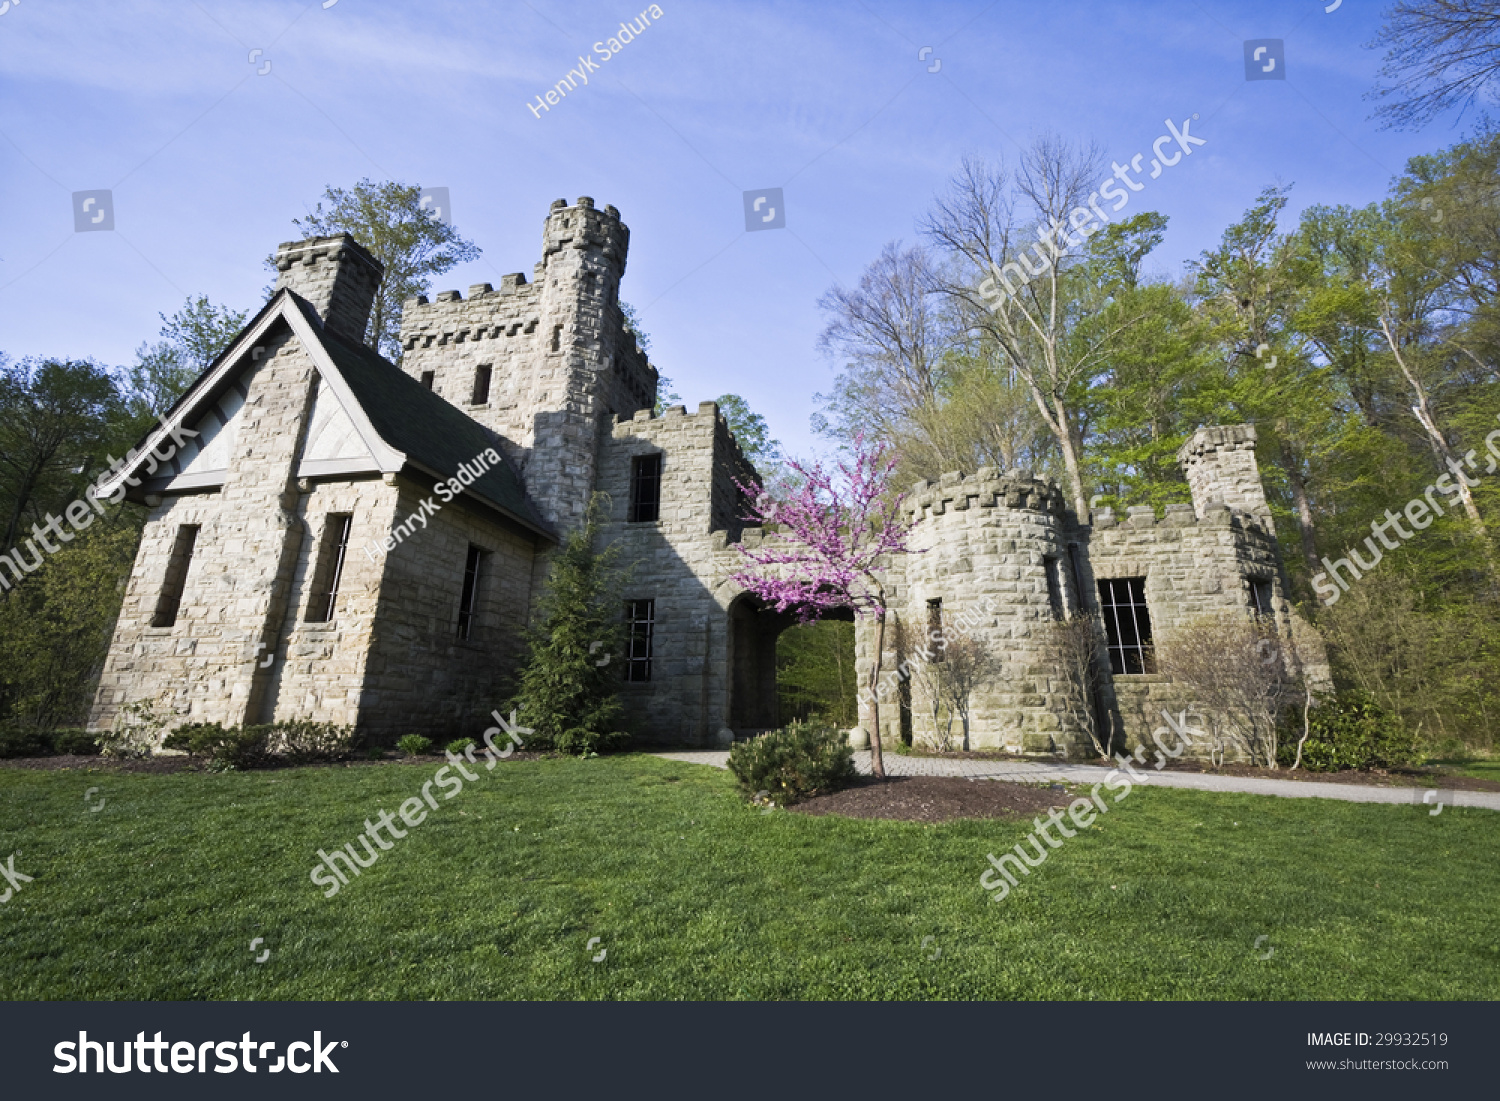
(695, 894)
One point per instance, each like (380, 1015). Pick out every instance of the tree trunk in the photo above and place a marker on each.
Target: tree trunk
(1305, 527)
(877, 760)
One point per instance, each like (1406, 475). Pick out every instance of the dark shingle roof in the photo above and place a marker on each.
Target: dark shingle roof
(416, 421)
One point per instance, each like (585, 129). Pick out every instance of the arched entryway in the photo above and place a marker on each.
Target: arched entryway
(753, 631)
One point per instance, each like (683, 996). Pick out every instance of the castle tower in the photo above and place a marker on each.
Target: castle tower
(1220, 466)
(548, 364)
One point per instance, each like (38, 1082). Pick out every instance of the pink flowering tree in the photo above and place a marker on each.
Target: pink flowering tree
(822, 549)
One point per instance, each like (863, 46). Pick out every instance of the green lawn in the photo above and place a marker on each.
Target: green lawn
(694, 894)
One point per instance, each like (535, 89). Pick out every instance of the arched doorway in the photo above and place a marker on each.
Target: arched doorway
(753, 631)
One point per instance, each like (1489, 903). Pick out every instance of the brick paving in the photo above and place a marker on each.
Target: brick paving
(1046, 772)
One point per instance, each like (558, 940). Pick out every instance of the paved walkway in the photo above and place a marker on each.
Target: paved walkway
(1030, 772)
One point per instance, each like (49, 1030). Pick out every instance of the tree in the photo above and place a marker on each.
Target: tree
(815, 674)
(823, 547)
(191, 339)
(389, 220)
(1241, 672)
(1440, 54)
(568, 685)
(56, 416)
(1048, 323)
(752, 432)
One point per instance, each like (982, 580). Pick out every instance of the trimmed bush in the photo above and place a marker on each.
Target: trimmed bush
(459, 745)
(413, 745)
(24, 742)
(793, 763)
(295, 742)
(1350, 731)
(79, 742)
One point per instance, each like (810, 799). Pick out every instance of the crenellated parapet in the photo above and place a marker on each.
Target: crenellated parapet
(985, 488)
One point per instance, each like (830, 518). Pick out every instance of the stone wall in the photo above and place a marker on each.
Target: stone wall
(680, 561)
(562, 363)
(980, 545)
(421, 677)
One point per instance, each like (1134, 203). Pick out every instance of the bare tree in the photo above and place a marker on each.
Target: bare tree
(1241, 672)
(951, 669)
(1075, 641)
(1440, 54)
(890, 335)
(1044, 321)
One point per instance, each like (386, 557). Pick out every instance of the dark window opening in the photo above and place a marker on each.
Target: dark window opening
(468, 601)
(640, 625)
(935, 629)
(330, 568)
(1122, 605)
(481, 395)
(1078, 586)
(176, 580)
(645, 488)
(588, 282)
(1260, 596)
(1054, 587)
(427, 377)
(557, 338)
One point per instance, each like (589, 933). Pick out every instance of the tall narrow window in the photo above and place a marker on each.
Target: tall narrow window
(1122, 605)
(427, 377)
(481, 395)
(175, 582)
(468, 601)
(1054, 587)
(329, 570)
(557, 338)
(1077, 568)
(1260, 596)
(645, 488)
(640, 626)
(935, 629)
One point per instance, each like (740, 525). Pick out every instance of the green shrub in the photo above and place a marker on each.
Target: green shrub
(413, 745)
(295, 742)
(1349, 731)
(460, 744)
(79, 742)
(237, 747)
(301, 740)
(136, 731)
(795, 762)
(24, 742)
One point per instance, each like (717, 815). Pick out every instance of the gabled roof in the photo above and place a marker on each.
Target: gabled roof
(405, 425)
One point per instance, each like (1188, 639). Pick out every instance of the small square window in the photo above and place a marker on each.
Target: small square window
(427, 377)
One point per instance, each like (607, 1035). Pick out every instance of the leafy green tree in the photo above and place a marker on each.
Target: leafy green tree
(752, 432)
(815, 674)
(389, 220)
(190, 340)
(56, 418)
(55, 629)
(568, 686)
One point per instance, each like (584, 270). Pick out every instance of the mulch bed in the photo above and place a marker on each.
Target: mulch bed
(937, 799)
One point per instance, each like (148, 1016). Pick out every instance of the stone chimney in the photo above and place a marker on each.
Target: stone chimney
(1220, 467)
(337, 275)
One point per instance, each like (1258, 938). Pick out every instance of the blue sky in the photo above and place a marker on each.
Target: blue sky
(209, 160)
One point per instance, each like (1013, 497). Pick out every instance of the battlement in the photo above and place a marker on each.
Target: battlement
(987, 487)
(337, 275)
(677, 416)
(582, 226)
(1216, 514)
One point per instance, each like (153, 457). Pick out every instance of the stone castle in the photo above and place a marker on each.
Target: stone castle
(349, 541)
